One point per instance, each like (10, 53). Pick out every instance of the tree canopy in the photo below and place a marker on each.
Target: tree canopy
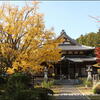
(90, 39)
(24, 40)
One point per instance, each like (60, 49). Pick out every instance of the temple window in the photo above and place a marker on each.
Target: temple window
(70, 52)
(76, 52)
(81, 52)
(64, 52)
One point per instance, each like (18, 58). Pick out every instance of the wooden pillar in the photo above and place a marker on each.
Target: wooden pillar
(56, 69)
(75, 70)
(81, 65)
(69, 70)
(60, 71)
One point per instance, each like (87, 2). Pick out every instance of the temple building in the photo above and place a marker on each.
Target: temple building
(75, 60)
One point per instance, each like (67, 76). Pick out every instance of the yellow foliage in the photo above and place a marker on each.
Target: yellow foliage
(10, 71)
(24, 41)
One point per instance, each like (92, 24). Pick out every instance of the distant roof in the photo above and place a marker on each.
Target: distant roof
(74, 44)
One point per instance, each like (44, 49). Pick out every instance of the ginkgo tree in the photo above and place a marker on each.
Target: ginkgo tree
(25, 43)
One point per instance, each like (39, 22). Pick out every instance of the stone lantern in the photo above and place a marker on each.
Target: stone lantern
(89, 70)
(46, 74)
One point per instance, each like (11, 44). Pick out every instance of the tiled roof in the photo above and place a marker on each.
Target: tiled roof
(79, 58)
(75, 47)
(82, 59)
(63, 34)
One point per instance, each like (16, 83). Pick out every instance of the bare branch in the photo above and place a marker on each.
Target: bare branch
(28, 13)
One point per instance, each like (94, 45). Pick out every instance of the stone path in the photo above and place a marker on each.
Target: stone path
(69, 92)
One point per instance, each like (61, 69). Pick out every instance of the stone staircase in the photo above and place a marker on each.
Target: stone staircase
(67, 82)
(77, 97)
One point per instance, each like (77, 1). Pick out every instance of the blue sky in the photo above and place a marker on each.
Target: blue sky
(72, 16)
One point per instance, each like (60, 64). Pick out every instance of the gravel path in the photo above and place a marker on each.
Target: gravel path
(69, 92)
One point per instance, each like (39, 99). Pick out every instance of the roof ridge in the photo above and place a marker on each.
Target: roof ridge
(63, 33)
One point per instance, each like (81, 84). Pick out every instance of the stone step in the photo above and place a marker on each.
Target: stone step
(67, 82)
(71, 98)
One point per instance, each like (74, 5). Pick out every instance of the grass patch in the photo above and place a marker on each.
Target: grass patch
(56, 89)
(94, 97)
(85, 90)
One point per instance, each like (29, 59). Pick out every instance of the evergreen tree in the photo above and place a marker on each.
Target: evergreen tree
(90, 39)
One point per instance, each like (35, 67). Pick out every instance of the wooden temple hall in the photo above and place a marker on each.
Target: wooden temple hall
(75, 59)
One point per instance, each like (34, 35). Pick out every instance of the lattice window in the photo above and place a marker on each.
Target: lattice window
(76, 52)
(81, 52)
(70, 52)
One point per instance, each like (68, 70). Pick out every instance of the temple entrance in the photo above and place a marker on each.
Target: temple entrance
(65, 70)
(71, 70)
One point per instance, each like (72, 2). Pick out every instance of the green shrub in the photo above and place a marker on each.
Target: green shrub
(88, 83)
(17, 89)
(19, 78)
(44, 90)
(19, 95)
(48, 84)
(96, 88)
(3, 79)
(17, 82)
(29, 94)
(82, 80)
